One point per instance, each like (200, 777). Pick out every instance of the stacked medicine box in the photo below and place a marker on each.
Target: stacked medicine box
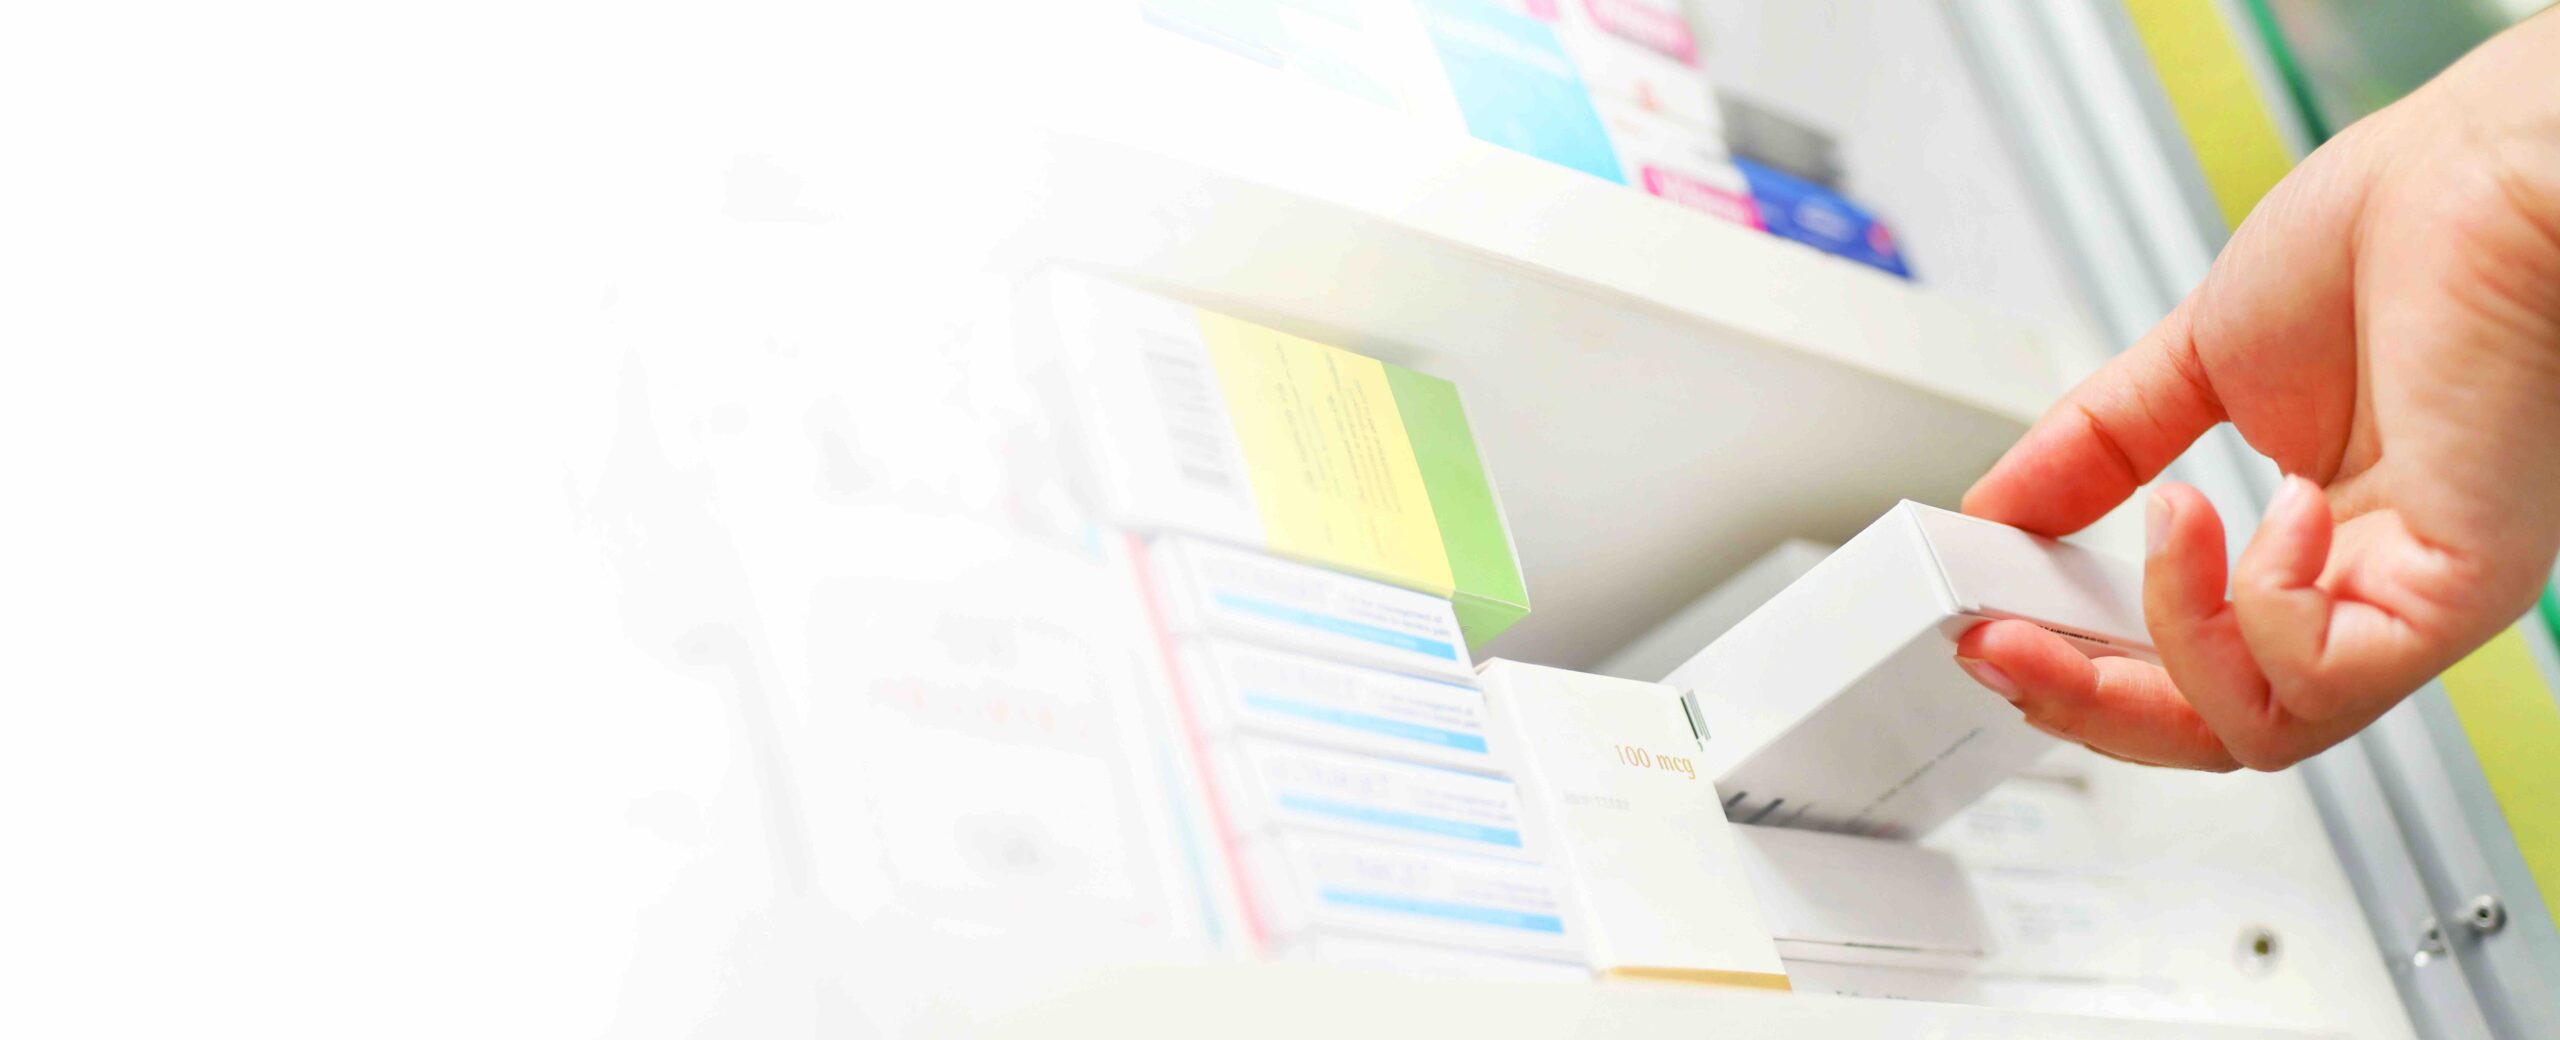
(1364, 790)
(1320, 546)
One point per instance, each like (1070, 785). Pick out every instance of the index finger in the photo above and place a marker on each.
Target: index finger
(2107, 437)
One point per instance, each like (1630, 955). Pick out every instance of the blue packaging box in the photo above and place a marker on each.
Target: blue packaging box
(1515, 85)
(1798, 209)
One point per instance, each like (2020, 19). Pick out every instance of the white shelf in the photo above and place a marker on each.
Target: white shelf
(1247, 999)
(1661, 395)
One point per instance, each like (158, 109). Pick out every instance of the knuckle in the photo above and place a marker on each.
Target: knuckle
(2265, 749)
(2055, 728)
(2060, 717)
(2265, 761)
(2067, 723)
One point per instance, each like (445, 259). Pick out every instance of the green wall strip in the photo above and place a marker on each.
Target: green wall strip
(2551, 610)
(2296, 85)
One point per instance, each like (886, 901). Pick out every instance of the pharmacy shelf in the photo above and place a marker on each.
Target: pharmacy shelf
(1246, 999)
(1661, 395)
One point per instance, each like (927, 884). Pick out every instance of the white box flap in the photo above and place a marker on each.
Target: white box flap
(1994, 570)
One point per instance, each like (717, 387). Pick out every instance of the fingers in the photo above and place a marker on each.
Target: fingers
(2106, 438)
(2208, 708)
(2192, 627)
(2333, 660)
(2133, 709)
(2309, 649)
(2118, 706)
(2233, 659)
(2198, 636)
(2282, 610)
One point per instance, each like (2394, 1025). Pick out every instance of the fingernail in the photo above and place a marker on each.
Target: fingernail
(2156, 514)
(2290, 495)
(1982, 672)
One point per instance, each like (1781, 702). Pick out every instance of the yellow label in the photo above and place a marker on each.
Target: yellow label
(2217, 100)
(2514, 726)
(1710, 976)
(1333, 471)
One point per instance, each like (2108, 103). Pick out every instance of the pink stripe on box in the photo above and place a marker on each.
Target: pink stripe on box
(1655, 26)
(1702, 196)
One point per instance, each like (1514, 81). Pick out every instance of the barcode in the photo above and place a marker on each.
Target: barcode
(1195, 425)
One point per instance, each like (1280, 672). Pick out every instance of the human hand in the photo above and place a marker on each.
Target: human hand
(2385, 327)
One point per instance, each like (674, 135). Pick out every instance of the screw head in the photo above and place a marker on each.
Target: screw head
(2430, 943)
(2258, 950)
(2486, 915)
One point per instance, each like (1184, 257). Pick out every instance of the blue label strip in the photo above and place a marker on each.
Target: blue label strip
(1484, 915)
(1503, 836)
(1339, 626)
(1434, 735)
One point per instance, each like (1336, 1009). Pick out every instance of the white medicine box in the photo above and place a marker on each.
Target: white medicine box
(1838, 705)
(1608, 769)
